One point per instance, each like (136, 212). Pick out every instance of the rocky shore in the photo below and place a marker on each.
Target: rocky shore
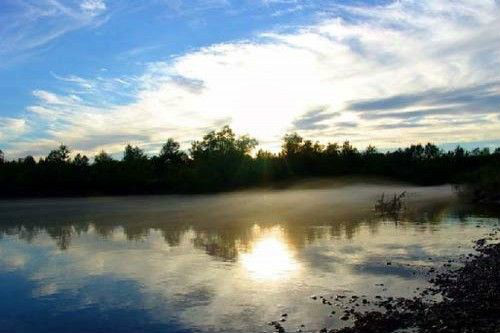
(463, 299)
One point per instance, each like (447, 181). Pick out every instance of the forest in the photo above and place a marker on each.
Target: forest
(223, 161)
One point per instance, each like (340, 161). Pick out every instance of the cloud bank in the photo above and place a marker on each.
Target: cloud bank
(389, 75)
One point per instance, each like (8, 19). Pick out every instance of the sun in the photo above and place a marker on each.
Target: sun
(269, 257)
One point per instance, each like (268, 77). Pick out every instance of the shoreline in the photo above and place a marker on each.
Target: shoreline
(463, 299)
(308, 183)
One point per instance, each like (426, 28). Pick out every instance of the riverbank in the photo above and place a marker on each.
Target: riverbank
(464, 299)
(224, 161)
(296, 183)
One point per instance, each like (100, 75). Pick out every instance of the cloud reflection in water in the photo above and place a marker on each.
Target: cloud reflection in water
(225, 263)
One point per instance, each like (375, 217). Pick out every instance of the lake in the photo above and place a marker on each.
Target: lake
(220, 263)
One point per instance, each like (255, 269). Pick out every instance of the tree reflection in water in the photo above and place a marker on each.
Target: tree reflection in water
(225, 262)
(222, 224)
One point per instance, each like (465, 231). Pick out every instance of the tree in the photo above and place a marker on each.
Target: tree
(102, 158)
(485, 151)
(415, 152)
(311, 148)
(170, 153)
(371, 150)
(222, 159)
(59, 155)
(348, 149)
(459, 152)
(292, 144)
(81, 160)
(264, 155)
(133, 154)
(106, 174)
(246, 144)
(332, 149)
(222, 143)
(29, 160)
(481, 152)
(431, 151)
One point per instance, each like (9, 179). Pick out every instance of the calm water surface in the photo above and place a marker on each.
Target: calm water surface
(218, 263)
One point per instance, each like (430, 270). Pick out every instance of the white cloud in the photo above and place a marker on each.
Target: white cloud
(93, 6)
(12, 128)
(50, 98)
(405, 50)
(83, 83)
(188, 8)
(28, 25)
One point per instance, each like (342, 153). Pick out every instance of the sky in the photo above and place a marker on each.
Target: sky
(100, 74)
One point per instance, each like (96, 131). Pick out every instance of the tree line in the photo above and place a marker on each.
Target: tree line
(222, 160)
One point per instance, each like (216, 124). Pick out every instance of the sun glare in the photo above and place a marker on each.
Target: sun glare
(269, 257)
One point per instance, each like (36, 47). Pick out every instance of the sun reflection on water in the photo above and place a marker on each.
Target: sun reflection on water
(269, 256)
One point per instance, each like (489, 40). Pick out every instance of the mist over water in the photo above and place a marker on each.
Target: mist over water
(228, 262)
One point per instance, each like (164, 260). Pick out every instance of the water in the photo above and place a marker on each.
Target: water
(218, 263)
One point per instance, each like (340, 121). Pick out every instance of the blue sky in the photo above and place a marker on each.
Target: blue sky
(98, 74)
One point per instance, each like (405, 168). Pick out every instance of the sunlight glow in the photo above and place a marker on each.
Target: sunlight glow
(270, 257)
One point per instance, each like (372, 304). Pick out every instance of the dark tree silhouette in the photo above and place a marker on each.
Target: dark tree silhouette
(81, 161)
(59, 155)
(102, 158)
(223, 160)
(134, 155)
(171, 154)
